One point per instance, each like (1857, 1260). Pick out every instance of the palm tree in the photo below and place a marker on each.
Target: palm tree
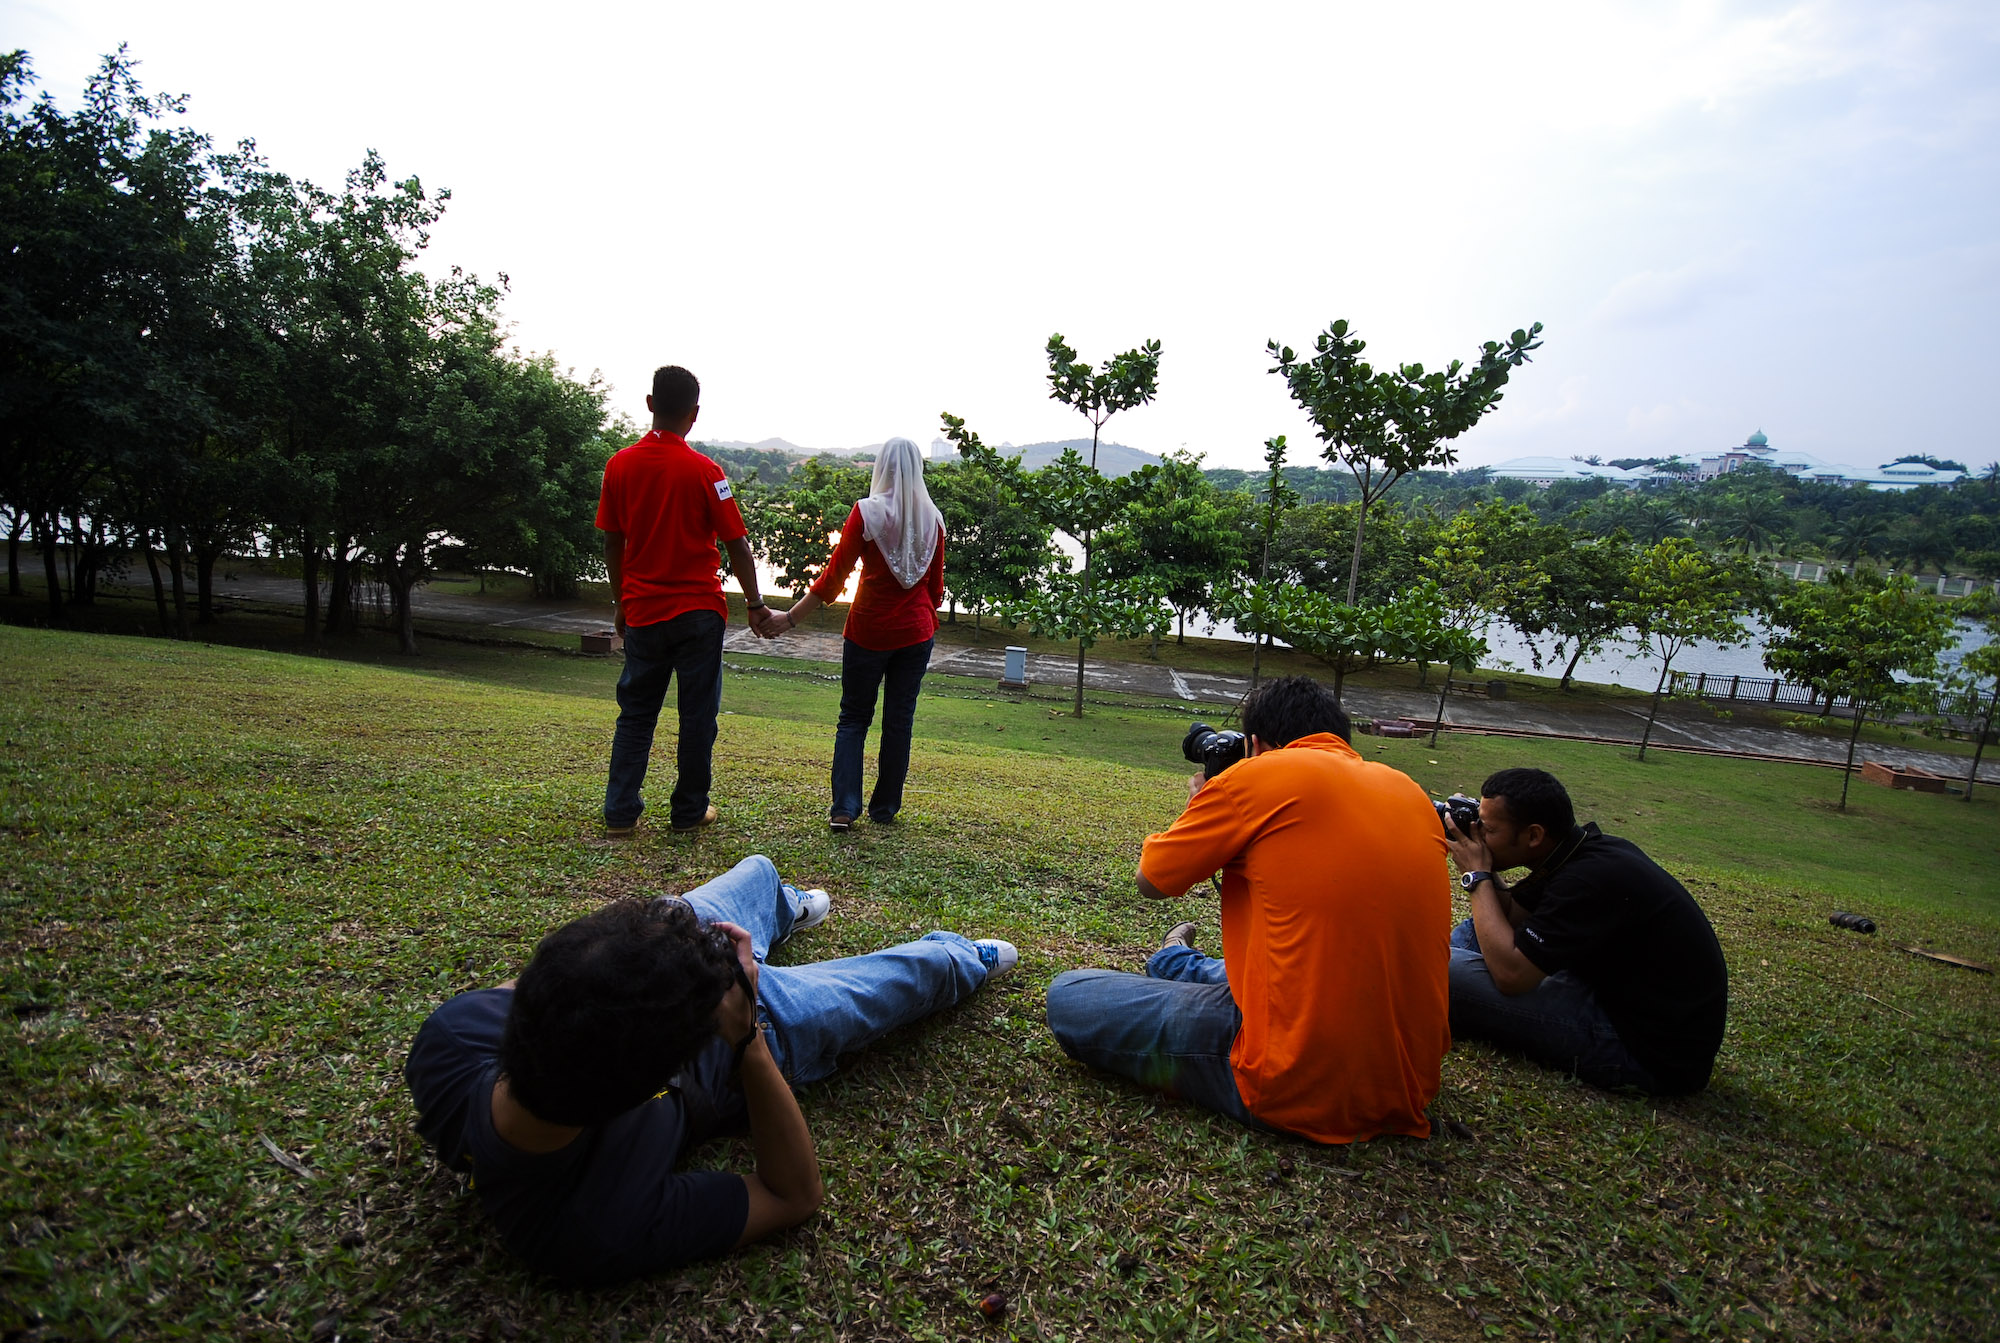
(1856, 535)
(1749, 523)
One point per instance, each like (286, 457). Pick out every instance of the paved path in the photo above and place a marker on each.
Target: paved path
(1680, 723)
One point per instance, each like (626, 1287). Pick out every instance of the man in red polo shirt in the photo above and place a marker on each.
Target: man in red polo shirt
(663, 508)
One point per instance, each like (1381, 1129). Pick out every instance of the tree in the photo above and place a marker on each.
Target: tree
(997, 543)
(1856, 535)
(1124, 382)
(1679, 596)
(1278, 495)
(1871, 638)
(1583, 605)
(793, 528)
(1072, 605)
(1178, 532)
(1482, 563)
(1978, 681)
(1749, 522)
(1381, 425)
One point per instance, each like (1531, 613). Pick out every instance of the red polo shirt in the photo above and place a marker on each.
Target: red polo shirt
(885, 615)
(671, 504)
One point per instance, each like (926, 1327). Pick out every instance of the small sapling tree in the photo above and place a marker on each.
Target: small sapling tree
(1383, 424)
(1679, 596)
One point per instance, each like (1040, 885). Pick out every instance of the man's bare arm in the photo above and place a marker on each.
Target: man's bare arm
(614, 564)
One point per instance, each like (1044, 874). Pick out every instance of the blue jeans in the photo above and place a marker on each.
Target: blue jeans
(820, 1011)
(862, 670)
(689, 647)
(1169, 1029)
(1558, 1022)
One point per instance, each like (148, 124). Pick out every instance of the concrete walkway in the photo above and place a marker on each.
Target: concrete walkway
(1680, 723)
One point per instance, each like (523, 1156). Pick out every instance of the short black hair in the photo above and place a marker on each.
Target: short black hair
(1534, 797)
(1279, 712)
(610, 1007)
(675, 391)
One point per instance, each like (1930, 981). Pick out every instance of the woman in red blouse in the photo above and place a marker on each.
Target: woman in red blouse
(897, 534)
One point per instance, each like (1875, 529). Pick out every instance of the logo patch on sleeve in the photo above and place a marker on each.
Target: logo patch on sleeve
(722, 490)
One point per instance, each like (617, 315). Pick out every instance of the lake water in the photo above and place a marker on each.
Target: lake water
(1613, 666)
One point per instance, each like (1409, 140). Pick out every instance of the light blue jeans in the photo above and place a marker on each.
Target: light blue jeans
(1169, 1029)
(1558, 1022)
(820, 1011)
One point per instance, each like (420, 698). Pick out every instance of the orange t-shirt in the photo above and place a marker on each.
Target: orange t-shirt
(1336, 926)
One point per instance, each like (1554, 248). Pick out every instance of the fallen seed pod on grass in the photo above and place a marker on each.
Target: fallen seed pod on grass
(993, 1305)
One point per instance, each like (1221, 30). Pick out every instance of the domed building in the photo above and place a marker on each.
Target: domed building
(1891, 476)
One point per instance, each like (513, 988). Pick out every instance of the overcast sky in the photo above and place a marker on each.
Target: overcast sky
(848, 218)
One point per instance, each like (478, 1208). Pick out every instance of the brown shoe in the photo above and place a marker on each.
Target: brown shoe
(840, 825)
(707, 819)
(1180, 935)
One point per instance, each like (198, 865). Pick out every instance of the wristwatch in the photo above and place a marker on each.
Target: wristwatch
(1468, 880)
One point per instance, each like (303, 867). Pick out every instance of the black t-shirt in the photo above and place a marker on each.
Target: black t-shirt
(1611, 916)
(608, 1206)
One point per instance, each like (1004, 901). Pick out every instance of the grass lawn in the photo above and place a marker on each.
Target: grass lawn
(233, 882)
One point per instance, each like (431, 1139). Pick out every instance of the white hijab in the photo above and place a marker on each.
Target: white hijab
(898, 515)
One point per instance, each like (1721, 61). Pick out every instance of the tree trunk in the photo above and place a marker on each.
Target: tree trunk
(1570, 670)
(204, 582)
(340, 614)
(1654, 712)
(1256, 658)
(20, 520)
(1079, 677)
(1354, 568)
(1443, 690)
(175, 551)
(69, 555)
(310, 563)
(159, 588)
(1979, 747)
(1847, 775)
(402, 573)
(1339, 677)
(1155, 655)
(1180, 637)
(45, 535)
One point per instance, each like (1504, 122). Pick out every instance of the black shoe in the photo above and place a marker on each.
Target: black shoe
(877, 818)
(840, 825)
(1180, 935)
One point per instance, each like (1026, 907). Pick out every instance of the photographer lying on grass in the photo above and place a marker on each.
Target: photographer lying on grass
(1597, 962)
(1326, 1015)
(636, 1033)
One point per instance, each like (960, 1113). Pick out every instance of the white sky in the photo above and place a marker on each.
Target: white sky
(848, 218)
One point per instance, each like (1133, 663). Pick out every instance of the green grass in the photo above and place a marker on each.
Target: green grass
(233, 882)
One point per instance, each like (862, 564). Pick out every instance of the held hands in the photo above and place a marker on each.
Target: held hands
(769, 623)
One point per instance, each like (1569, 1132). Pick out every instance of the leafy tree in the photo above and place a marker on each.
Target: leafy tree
(1381, 425)
(793, 528)
(1177, 531)
(1855, 536)
(1277, 495)
(1583, 605)
(1749, 522)
(1679, 596)
(1072, 496)
(1123, 382)
(1975, 685)
(1859, 635)
(1483, 562)
(997, 542)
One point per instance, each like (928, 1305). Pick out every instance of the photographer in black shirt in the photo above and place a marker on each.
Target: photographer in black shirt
(1597, 962)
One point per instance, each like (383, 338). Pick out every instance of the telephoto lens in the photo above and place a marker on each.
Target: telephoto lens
(1859, 923)
(1213, 751)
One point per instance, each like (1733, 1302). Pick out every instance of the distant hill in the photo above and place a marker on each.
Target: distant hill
(1113, 459)
(780, 445)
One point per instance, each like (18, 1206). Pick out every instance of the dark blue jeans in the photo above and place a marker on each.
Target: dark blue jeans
(862, 671)
(688, 647)
(1170, 1029)
(1558, 1022)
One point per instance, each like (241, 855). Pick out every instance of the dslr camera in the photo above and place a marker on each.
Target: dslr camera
(1457, 812)
(1213, 751)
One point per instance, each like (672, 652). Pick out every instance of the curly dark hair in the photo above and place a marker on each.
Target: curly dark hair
(610, 1007)
(1279, 712)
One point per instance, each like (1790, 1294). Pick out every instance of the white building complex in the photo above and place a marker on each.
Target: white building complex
(1545, 471)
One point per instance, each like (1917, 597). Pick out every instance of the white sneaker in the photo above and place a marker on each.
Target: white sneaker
(809, 908)
(998, 957)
